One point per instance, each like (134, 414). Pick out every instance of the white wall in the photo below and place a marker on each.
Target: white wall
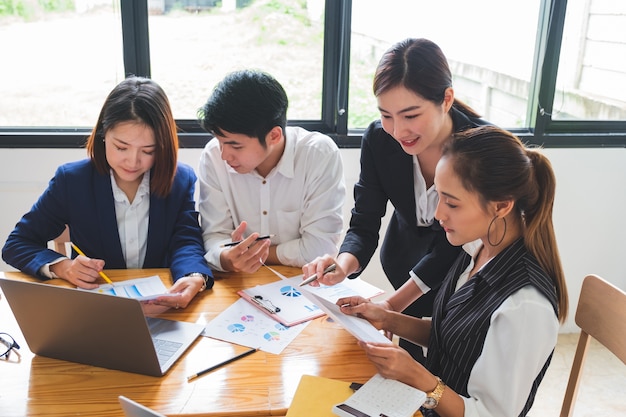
(588, 213)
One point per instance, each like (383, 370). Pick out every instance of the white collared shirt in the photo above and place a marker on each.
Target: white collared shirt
(300, 201)
(132, 221)
(425, 199)
(425, 206)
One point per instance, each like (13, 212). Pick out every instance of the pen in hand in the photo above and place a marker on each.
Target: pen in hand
(329, 268)
(102, 274)
(226, 245)
(219, 365)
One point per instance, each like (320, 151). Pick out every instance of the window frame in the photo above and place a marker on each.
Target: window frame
(334, 113)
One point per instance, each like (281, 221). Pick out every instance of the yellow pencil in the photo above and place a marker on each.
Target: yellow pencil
(102, 274)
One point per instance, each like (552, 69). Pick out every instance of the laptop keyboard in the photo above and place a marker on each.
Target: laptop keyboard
(165, 349)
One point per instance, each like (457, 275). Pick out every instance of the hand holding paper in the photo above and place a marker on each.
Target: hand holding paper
(358, 327)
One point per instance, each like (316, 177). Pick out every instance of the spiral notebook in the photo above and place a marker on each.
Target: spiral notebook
(382, 397)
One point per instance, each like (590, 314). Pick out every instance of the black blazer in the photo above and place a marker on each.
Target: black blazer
(82, 198)
(387, 175)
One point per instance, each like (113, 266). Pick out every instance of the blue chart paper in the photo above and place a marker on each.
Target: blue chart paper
(251, 324)
(285, 302)
(245, 325)
(141, 289)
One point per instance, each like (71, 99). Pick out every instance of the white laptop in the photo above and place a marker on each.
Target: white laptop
(134, 409)
(96, 329)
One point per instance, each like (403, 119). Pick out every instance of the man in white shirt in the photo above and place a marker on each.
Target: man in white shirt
(259, 177)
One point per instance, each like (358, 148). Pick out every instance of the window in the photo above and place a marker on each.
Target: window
(490, 55)
(194, 44)
(549, 70)
(58, 63)
(591, 81)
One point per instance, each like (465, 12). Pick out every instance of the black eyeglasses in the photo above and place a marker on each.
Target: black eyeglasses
(7, 345)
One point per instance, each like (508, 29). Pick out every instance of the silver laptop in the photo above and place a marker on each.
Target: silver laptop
(96, 329)
(134, 409)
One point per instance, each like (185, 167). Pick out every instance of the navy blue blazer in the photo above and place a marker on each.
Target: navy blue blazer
(387, 176)
(82, 198)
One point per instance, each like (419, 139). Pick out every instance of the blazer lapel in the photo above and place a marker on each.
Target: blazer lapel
(402, 188)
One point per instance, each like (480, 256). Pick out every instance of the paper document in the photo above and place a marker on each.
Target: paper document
(358, 327)
(245, 325)
(141, 289)
(284, 301)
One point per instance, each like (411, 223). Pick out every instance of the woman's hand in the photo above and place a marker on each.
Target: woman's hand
(361, 307)
(394, 362)
(80, 271)
(179, 295)
(317, 267)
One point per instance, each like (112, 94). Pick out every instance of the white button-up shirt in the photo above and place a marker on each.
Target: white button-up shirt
(132, 221)
(300, 201)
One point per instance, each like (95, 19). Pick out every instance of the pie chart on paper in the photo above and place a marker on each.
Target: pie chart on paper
(236, 328)
(289, 291)
(271, 336)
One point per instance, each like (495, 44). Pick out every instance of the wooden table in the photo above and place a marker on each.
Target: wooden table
(262, 384)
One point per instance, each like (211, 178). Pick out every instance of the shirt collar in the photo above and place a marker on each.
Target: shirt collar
(287, 164)
(120, 196)
(472, 248)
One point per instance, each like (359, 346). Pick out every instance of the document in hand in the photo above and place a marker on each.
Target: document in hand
(358, 327)
(141, 289)
(382, 397)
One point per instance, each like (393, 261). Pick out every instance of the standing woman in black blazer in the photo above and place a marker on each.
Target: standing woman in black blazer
(399, 152)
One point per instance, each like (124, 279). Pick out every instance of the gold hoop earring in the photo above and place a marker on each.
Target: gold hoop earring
(489, 231)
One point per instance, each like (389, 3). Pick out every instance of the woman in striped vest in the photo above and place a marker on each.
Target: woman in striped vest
(496, 317)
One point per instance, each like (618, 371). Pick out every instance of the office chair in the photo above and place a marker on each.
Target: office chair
(601, 314)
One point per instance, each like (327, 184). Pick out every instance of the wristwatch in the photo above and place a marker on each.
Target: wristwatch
(433, 397)
(203, 276)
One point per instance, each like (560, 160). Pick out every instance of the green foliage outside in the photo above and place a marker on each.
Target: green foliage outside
(29, 10)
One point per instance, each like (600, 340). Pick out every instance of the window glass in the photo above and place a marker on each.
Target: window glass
(489, 44)
(60, 59)
(591, 81)
(194, 44)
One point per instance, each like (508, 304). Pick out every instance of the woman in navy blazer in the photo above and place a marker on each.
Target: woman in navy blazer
(130, 205)
(399, 152)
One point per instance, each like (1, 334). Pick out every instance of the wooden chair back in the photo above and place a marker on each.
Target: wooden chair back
(62, 243)
(601, 314)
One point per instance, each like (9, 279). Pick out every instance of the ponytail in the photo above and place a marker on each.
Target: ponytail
(539, 235)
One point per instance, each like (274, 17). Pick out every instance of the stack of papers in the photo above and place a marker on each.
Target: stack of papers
(251, 324)
(286, 302)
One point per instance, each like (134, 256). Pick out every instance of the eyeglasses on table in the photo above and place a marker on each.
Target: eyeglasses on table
(7, 345)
